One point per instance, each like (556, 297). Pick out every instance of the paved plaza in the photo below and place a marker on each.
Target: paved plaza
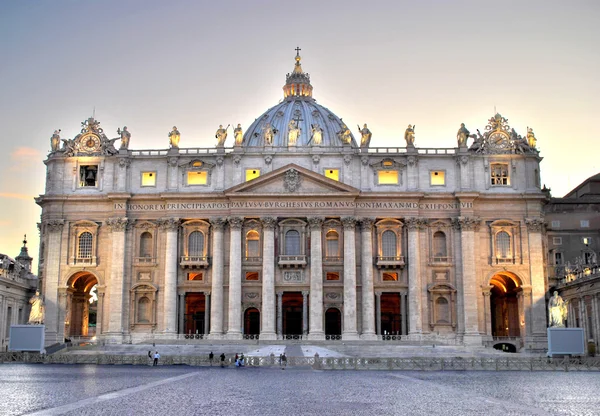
(138, 390)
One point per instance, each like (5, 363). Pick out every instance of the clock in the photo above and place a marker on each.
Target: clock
(498, 139)
(89, 143)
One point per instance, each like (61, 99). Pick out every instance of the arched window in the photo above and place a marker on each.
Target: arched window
(439, 244)
(146, 244)
(144, 310)
(252, 244)
(332, 247)
(196, 244)
(84, 246)
(292, 243)
(388, 243)
(442, 311)
(503, 245)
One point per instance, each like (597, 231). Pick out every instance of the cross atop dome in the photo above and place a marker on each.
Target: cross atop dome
(297, 84)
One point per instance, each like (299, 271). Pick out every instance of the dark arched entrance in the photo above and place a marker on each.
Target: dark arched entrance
(504, 305)
(291, 303)
(333, 322)
(195, 313)
(82, 305)
(390, 314)
(251, 321)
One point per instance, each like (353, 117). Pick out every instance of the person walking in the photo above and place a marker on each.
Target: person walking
(222, 360)
(283, 361)
(149, 356)
(156, 357)
(210, 358)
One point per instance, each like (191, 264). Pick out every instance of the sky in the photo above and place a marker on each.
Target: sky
(151, 65)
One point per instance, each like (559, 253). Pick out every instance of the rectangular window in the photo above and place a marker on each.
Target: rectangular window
(333, 174)
(555, 224)
(585, 223)
(252, 174)
(557, 241)
(558, 258)
(499, 174)
(197, 178)
(389, 277)
(88, 175)
(252, 276)
(387, 177)
(194, 276)
(148, 178)
(587, 257)
(333, 276)
(437, 178)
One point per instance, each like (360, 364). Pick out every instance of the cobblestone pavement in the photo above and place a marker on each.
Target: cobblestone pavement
(165, 390)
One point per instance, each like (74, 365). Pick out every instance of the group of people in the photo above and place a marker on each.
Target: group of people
(154, 357)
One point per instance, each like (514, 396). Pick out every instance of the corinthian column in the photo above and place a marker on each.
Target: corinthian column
(268, 277)
(349, 331)
(316, 280)
(171, 226)
(116, 289)
(538, 287)
(368, 308)
(54, 328)
(216, 301)
(234, 330)
(468, 227)
(415, 319)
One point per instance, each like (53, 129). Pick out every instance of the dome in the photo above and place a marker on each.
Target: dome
(297, 118)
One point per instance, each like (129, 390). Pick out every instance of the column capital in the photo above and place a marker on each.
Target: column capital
(467, 223)
(305, 293)
(366, 223)
(378, 293)
(349, 223)
(206, 293)
(235, 222)
(535, 225)
(54, 225)
(279, 293)
(117, 223)
(268, 223)
(315, 223)
(218, 223)
(413, 223)
(169, 224)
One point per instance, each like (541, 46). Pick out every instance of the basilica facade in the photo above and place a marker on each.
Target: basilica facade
(296, 230)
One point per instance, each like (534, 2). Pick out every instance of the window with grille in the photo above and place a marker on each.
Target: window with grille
(503, 245)
(196, 244)
(332, 247)
(499, 174)
(388, 243)
(252, 244)
(439, 244)
(144, 310)
(146, 244)
(84, 248)
(292, 243)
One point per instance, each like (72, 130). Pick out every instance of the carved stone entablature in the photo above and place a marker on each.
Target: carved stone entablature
(145, 225)
(292, 180)
(500, 138)
(235, 222)
(349, 222)
(268, 223)
(315, 223)
(54, 225)
(535, 224)
(295, 276)
(366, 223)
(117, 224)
(218, 223)
(413, 223)
(169, 224)
(467, 223)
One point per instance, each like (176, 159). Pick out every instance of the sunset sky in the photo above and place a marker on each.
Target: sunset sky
(150, 65)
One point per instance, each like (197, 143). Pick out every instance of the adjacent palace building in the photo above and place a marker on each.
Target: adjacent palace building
(300, 229)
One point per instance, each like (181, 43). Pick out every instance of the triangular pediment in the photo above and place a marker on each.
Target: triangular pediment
(292, 180)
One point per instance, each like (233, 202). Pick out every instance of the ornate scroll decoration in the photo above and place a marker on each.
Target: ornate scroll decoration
(124, 162)
(315, 223)
(54, 225)
(412, 160)
(145, 225)
(268, 223)
(332, 295)
(252, 295)
(268, 159)
(349, 223)
(347, 159)
(292, 180)
(169, 224)
(462, 160)
(173, 162)
(366, 223)
(500, 138)
(117, 224)
(413, 223)
(535, 225)
(364, 160)
(218, 223)
(219, 160)
(91, 141)
(467, 223)
(316, 159)
(235, 222)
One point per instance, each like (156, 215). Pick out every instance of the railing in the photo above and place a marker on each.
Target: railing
(251, 336)
(333, 337)
(253, 260)
(332, 259)
(505, 363)
(443, 151)
(441, 259)
(144, 260)
(195, 261)
(194, 336)
(86, 261)
(148, 152)
(569, 274)
(294, 337)
(504, 260)
(289, 260)
(386, 261)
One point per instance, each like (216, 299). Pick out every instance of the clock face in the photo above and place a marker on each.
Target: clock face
(90, 143)
(498, 139)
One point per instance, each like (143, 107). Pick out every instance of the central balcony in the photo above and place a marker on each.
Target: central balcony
(389, 262)
(292, 261)
(194, 262)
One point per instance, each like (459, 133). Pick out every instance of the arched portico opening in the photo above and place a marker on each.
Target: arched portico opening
(81, 309)
(251, 321)
(333, 323)
(504, 305)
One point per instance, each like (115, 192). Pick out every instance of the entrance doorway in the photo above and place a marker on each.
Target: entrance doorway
(291, 303)
(504, 305)
(82, 304)
(391, 318)
(333, 323)
(251, 321)
(194, 319)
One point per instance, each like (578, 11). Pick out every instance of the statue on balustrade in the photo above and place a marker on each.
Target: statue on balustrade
(124, 136)
(221, 135)
(557, 311)
(238, 135)
(462, 135)
(55, 141)
(36, 316)
(365, 134)
(409, 136)
(531, 140)
(174, 137)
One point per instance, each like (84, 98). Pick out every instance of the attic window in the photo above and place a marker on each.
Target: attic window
(148, 178)
(88, 175)
(332, 174)
(387, 177)
(197, 178)
(252, 174)
(437, 178)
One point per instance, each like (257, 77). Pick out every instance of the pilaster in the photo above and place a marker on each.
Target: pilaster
(216, 304)
(415, 318)
(117, 226)
(349, 331)
(54, 229)
(171, 227)
(366, 268)
(234, 329)
(316, 279)
(268, 278)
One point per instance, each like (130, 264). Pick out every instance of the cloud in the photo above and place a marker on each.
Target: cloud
(23, 157)
(15, 196)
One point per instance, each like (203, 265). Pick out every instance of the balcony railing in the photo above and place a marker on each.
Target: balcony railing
(144, 260)
(441, 259)
(84, 261)
(292, 261)
(253, 260)
(389, 261)
(195, 261)
(504, 260)
(333, 260)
